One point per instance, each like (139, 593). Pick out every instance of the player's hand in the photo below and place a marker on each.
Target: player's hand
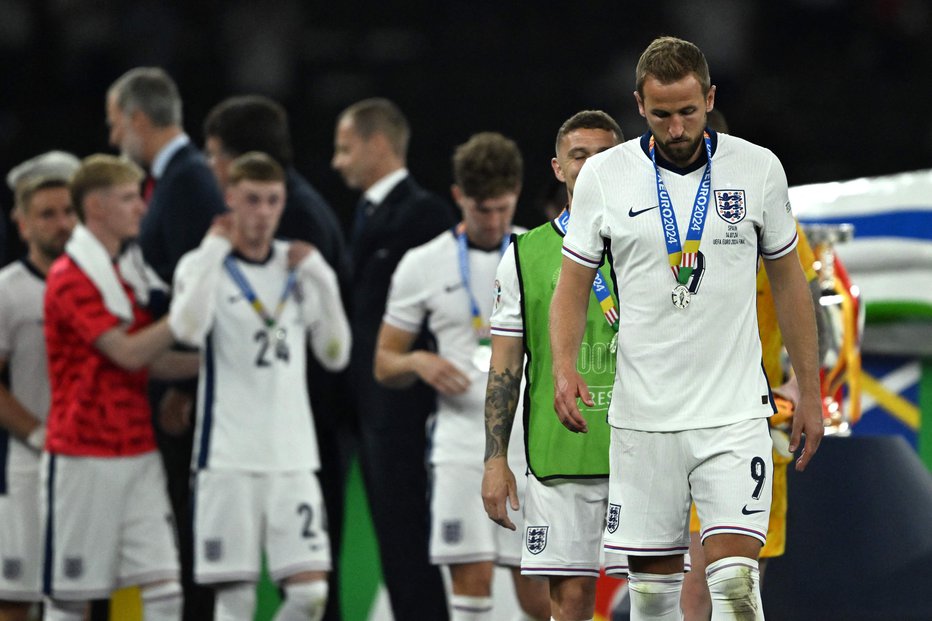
(444, 376)
(222, 226)
(297, 252)
(175, 411)
(498, 487)
(807, 420)
(568, 386)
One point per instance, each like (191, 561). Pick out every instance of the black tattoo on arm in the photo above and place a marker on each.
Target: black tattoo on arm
(501, 400)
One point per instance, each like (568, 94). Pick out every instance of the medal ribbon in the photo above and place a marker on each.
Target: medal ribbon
(683, 258)
(240, 279)
(463, 246)
(599, 287)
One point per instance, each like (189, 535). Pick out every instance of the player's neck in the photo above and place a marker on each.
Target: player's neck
(40, 260)
(254, 251)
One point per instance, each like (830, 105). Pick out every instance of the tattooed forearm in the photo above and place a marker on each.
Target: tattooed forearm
(501, 400)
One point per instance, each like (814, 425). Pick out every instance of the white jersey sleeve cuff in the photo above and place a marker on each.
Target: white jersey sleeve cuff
(781, 250)
(505, 330)
(401, 324)
(582, 258)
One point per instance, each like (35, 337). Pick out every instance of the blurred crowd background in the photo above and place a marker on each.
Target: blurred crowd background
(837, 88)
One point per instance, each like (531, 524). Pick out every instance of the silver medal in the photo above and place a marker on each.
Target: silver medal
(281, 345)
(680, 296)
(482, 358)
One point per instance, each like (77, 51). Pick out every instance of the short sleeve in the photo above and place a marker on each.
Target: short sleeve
(778, 236)
(407, 296)
(584, 241)
(506, 304)
(76, 302)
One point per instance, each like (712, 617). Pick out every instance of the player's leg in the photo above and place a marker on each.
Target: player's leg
(562, 541)
(533, 595)
(82, 505)
(149, 548)
(471, 591)
(732, 488)
(297, 544)
(649, 494)
(20, 574)
(227, 535)
(695, 600)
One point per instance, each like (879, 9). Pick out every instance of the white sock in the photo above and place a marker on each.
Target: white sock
(235, 601)
(304, 601)
(470, 608)
(734, 584)
(162, 601)
(655, 597)
(58, 610)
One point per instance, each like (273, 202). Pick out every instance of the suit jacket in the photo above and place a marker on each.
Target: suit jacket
(182, 207)
(408, 217)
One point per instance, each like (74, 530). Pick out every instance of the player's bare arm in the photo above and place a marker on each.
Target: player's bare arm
(16, 419)
(136, 351)
(397, 366)
(796, 316)
(501, 402)
(567, 325)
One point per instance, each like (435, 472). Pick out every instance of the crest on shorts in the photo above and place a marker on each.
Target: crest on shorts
(74, 567)
(729, 204)
(536, 539)
(12, 568)
(611, 522)
(452, 531)
(213, 549)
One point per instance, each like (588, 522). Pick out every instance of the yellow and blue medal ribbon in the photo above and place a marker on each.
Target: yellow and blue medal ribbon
(683, 257)
(240, 279)
(483, 334)
(599, 287)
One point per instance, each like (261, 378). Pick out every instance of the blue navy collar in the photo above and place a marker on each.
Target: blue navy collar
(662, 163)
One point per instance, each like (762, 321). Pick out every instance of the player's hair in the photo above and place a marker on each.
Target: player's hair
(151, 90)
(251, 123)
(589, 119)
(30, 187)
(669, 59)
(487, 165)
(98, 172)
(379, 115)
(255, 166)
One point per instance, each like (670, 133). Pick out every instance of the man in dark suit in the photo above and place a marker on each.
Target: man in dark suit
(144, 117)
(394, 215)
(236, 126)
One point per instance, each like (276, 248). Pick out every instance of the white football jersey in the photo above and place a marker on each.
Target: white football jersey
(427, 285)
(253, 411)
(22, 345)
(698, 366)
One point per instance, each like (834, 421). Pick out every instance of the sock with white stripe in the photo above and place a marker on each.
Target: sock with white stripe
(734, 584)
(655, 597)
(470, 608)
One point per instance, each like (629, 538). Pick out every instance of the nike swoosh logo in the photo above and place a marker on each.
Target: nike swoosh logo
(233, 299)
(746, 511)
(632, 212)
(452, 288)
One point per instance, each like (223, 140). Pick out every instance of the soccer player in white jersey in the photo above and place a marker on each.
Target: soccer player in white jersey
(690, 399)
(566, 499)
(46, 217)
(250, 302)
(448, 283)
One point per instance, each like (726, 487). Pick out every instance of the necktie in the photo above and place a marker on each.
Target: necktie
(364, 209)
(148, 187)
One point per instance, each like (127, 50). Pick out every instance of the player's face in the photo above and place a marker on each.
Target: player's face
(124, 209)
(487, 221)
(575, 148)
(123, 135)
(218, 159)
(257, 207)
(47, 221)
(353, 156)
(676, 115)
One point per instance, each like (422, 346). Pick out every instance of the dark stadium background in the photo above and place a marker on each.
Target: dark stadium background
(838, 89)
